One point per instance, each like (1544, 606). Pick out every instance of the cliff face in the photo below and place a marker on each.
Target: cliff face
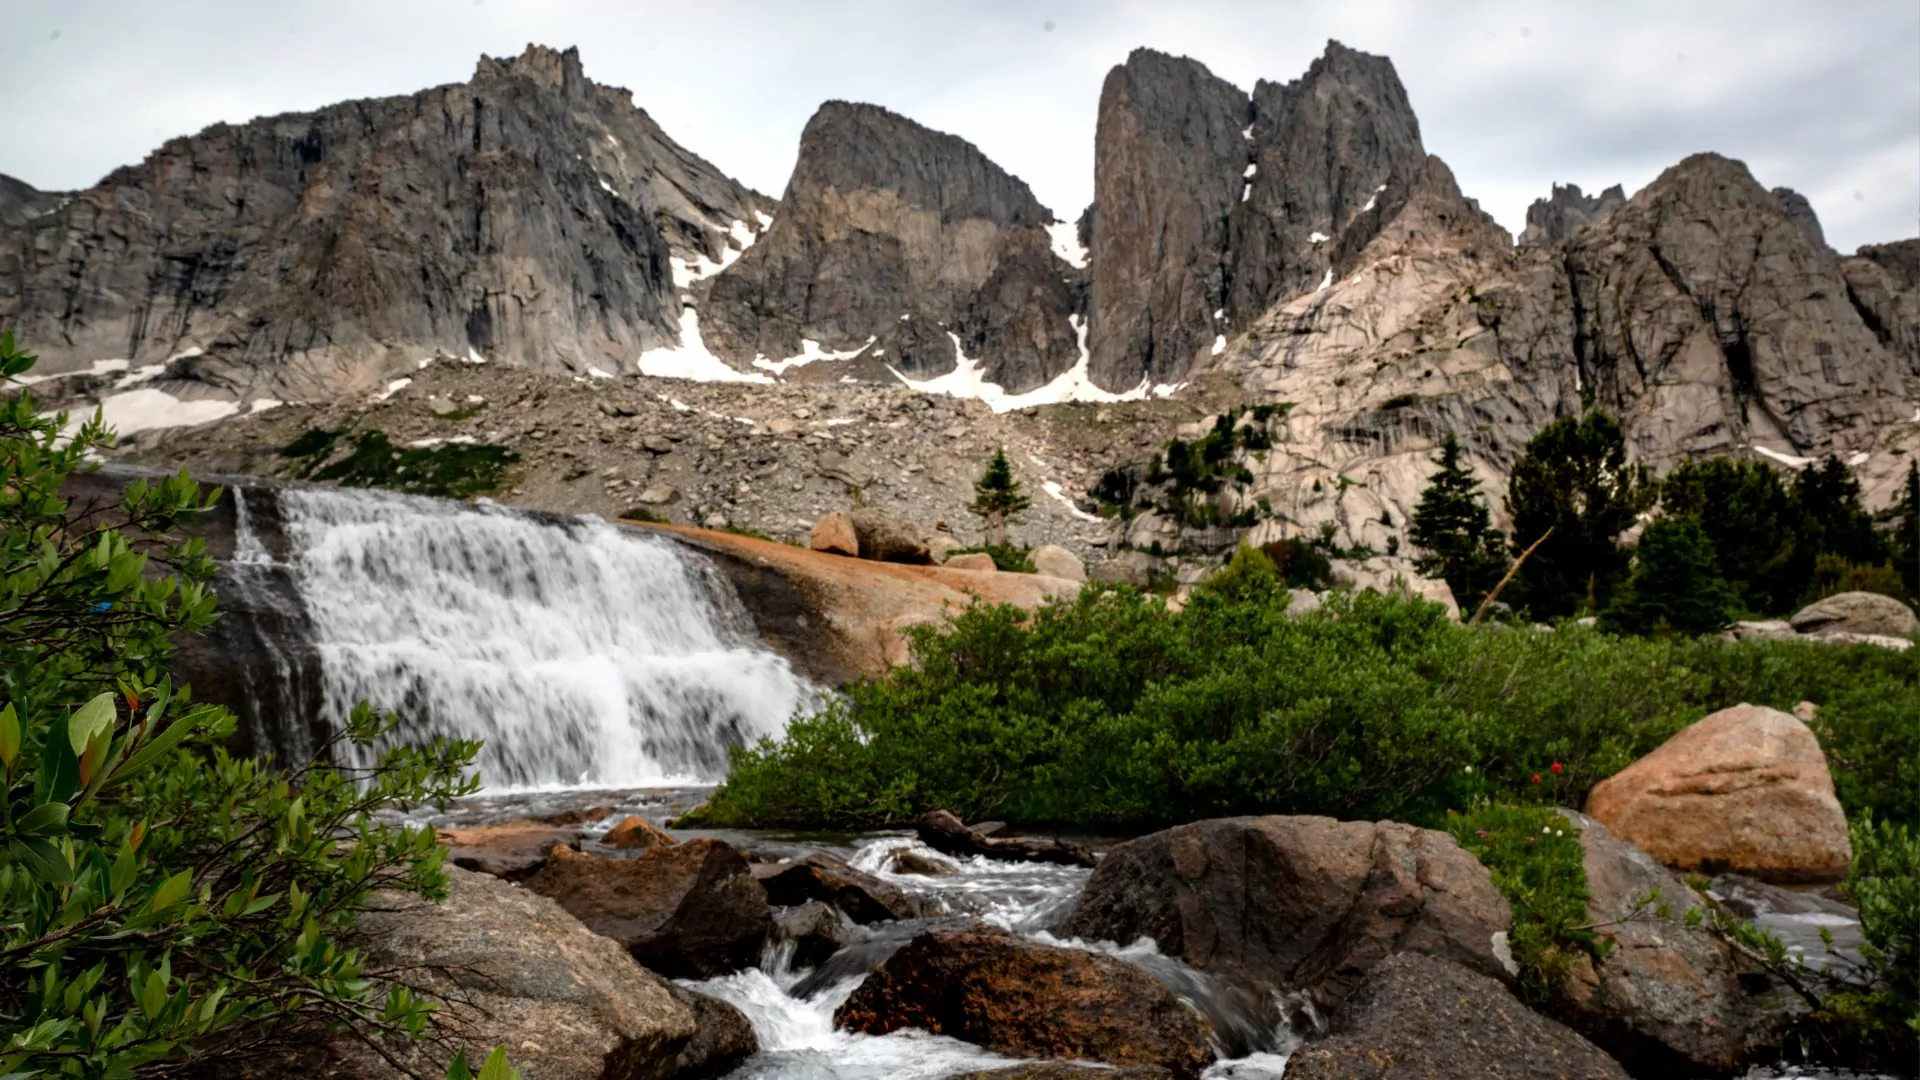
(529, 216)
(1553, 219)
(21, 202)
(897, 239)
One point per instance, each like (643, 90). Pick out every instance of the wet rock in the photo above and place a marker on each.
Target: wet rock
(1746, 789)
(1666, 1000)
(1857, 613)
(943, 831)
(515, 970)
(1068, 1071)
(909, 861)
(723, 1038)
(887, 538)
(692, 910)
(635, 833)
(834, 534)
(1417, 1016)
(579, 817)
(863, 897)
(1022, 998)
(1297, 902)
(977, 561)
(1052, 560)
(816, 930)
(510, 849)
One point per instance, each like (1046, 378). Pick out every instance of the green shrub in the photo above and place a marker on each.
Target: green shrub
(448, 470)
(161, 903)
(1534, 855)
(1885, 881)
(1007, 558)
(1675, 586)
(1109, 709)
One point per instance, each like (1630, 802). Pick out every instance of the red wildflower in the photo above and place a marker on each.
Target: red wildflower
(1536, 778)
(1556, 768)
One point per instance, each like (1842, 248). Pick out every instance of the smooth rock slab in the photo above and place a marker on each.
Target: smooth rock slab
(1052, 560)
(1416, 1016)
(1021, 998)
(1745, 790)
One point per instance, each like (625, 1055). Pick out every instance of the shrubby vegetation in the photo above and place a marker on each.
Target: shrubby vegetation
(1110, 709)
(163, 905)
(1183, 480)
(449, 470)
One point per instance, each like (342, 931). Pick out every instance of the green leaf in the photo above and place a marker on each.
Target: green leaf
(91, 719)
(9, 736)
(162, 743)
(171, 891)
(47, 819)
(497, 1067)
(42, 859)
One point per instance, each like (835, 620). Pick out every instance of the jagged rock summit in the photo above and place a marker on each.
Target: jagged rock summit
(906, 248)
(529, 216)
(1553, 219)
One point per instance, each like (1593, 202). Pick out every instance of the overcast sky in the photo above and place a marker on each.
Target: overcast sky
(1822, 96)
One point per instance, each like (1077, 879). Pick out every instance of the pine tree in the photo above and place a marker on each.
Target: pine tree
(1675, 586)
(1830, 521)
(1905, 538)
(1454, 529)
(1748, 515)
(998, 497)
(1574, 479)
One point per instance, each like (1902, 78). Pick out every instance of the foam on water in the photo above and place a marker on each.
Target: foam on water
(584, 654)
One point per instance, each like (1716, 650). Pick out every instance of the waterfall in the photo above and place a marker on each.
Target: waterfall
(583, 653)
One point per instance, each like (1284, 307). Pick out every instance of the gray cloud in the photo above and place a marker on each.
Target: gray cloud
(1820, 97)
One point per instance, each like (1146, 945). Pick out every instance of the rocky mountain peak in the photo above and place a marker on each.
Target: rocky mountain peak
(544, 66)
(1800, 212)
(906, 247)
(21, 202)
(1553, 219)
(532, 222)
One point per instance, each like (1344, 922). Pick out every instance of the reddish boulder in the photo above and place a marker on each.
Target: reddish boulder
(636, 833)
(1745, 790)
(510, 849)
(1025, 999)
(691, 910)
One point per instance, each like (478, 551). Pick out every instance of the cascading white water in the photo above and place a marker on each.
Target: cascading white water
(584, 654)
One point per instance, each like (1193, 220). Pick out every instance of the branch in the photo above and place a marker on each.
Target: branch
(1512, 570)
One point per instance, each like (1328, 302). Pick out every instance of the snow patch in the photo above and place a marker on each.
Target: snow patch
(147, 408)
(968, 380)
(1219, 345)
(1371, 199)
(1220, 313)
(393, 388)
(1784, 459)
(474, 357)
(1859, 458)
(1066, 243)
(810, 351)
(608, 188)
(1247, 133)
(596, 373)
(100, 367)
(909, 315)
(742, 235)
(1251, 169)
(1052, 487)
(765, 219)
(1164, 390)
(691, 360)
(1318, 237)
(261, 405)
(1246, 192)
(1326, 281)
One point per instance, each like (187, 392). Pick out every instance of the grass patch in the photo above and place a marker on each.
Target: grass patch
(1534, 855)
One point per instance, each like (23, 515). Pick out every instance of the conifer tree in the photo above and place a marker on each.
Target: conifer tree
(1830, 521)
(998, 498)
(1574, 479)
(1675, 586)
(1905, 539)
(1748, 515)
(1454, 530)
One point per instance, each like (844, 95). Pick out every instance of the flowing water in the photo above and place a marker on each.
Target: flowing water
(582, 653)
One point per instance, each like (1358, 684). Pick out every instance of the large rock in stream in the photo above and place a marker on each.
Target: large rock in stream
(691, 910)
(1668, 999)
(1026, 999)
(816, 877)
(1416, 1016)
(513, 969)
(1298, 902)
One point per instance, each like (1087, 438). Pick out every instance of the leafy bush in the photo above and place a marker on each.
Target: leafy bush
(1534, 855)
(1885, 881)
(448, 470)
(1109, 709)
(1007, 558)
(162, 904)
